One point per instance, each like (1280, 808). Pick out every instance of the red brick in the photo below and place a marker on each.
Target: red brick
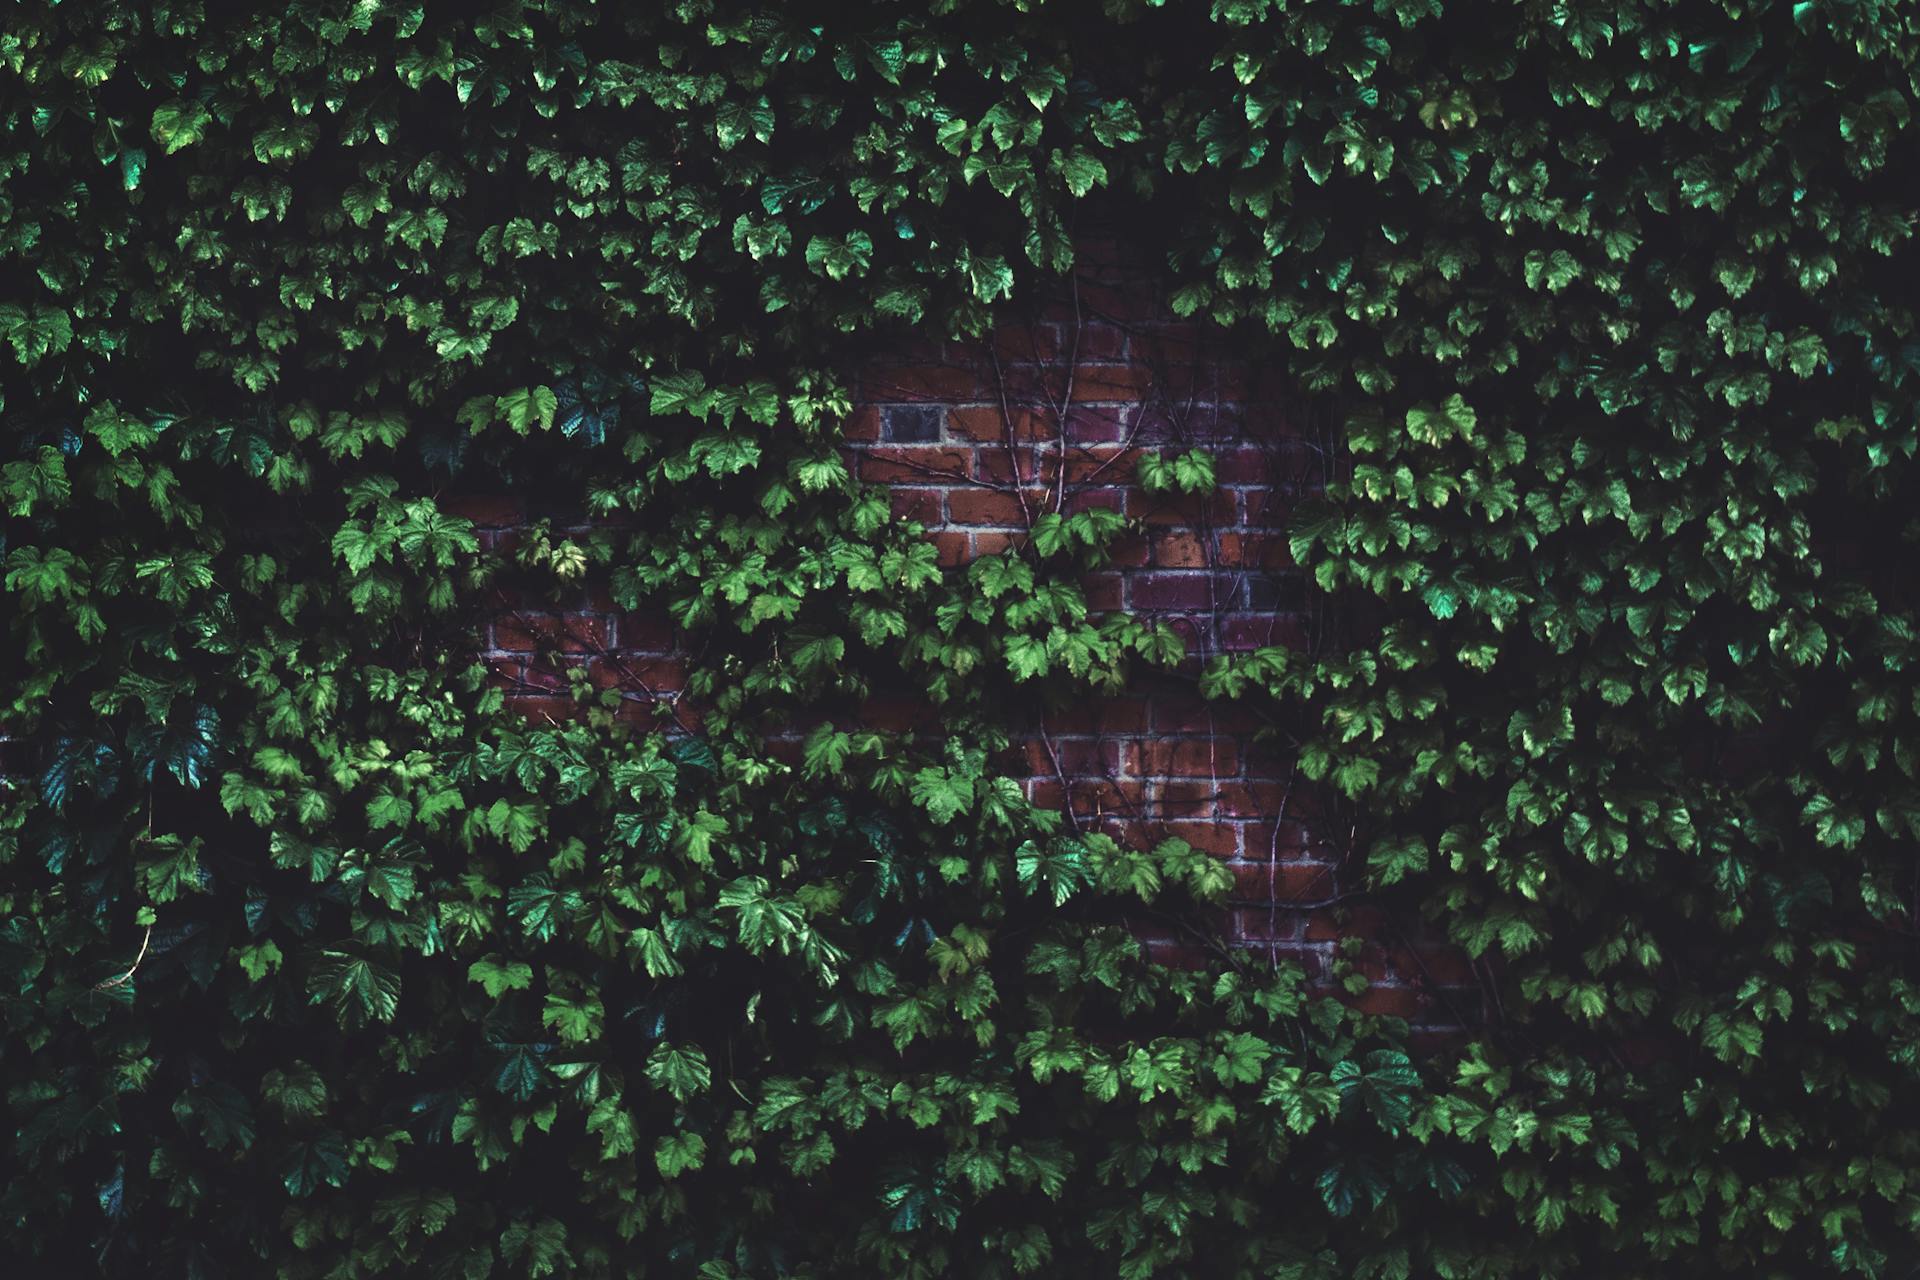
(1249, 799)
(1217, 508)
(486, 512)
(1284, 838)
(895, 715)
(1161, 346)
(1360, 922)
(1091, 499)
(1170, 591)
(1078, 757)
(927, 464)
(996, 464)
(862, 424)
(645, 632)
(1101, 795)
(1098, 342)
(1243, 632)
(990, 507)
(1102, 715)
(951, 548)
(1110, 464)
(1267, 924)
(1388, 1002)
(1433, 965)
(543, 708)
(1189, 757)
(923, 505)
(1095, 383)
(1179, 549)
(1117, 301)
(1254, 551)
(1245, 465)
(1130, 552)
(1218, 838)
(649, 675)
(924, 382)
(573, 633)
(992, 544)
(1098, 423)
(1019, 343)
(1281, 881)
(1191, 714)
(1102, 591)
(1170, 954)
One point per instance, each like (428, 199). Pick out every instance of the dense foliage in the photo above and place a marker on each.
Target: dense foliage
(319, 961)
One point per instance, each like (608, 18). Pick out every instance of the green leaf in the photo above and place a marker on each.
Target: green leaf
(527, 407)
(178, 124)
(499, 976)
(681, 1071)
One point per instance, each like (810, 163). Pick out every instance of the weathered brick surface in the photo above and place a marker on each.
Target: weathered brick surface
(978, 440)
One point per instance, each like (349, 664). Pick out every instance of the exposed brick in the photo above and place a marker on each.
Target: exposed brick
(1281, 881)
(1178, 549)
(1109, 464)
(1219, 838)
(1262, 631)
(1176, 955)
(1433, 965)
(1099, 342)
(1269, 924)
(643, 632)
(570, 633)
(925, 505)
(543, 708)
(1027, 343)
(915, 464)
(647, 674)
(1170, 591)
(1099, 423)
(989, 507)
(992, 544)
(486, 512)
(990, 424)
(924, 382)
(891, 714)
(1388, 1002)
(1097, 383)
(1212, 757)
(1102, 715)
(933, 422)
(1102, 591)
(952, 548)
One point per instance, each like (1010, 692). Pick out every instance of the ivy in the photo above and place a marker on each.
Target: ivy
(310, 931)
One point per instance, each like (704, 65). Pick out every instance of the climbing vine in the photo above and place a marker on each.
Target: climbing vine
(319, 958)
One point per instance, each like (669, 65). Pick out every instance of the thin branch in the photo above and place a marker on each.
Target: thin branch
(127, 977)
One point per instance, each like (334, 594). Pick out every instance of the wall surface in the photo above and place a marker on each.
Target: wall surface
(978, 440)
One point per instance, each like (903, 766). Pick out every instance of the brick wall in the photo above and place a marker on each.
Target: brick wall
(979, 439)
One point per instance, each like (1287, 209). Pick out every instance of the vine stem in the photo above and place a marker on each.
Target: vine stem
(127, 977)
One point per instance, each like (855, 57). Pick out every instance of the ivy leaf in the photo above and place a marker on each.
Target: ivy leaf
(682, 1072)
(314, 1162)
(178, 124)
(943, 794)
(677, 1153)
(359, 990)
(528, 407)
(497, 975)
(520, 1069)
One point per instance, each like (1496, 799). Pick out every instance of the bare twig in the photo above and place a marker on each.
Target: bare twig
(127, 977)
